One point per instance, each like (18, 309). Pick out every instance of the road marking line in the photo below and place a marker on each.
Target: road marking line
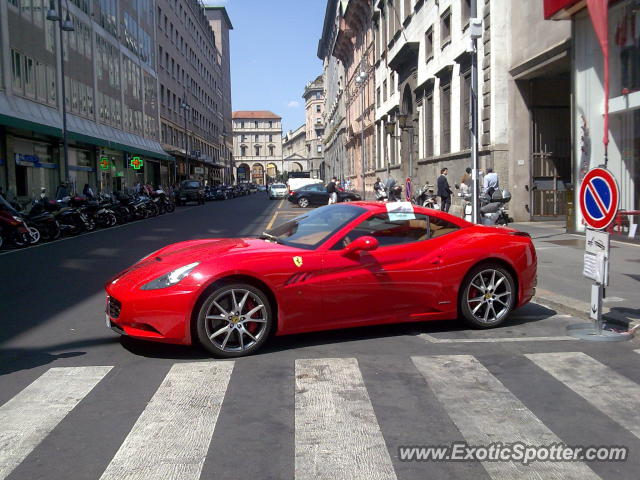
(171, 437)
(613, 394)
(485, 412)
(275, 214)
(637, 351)
(337, 435)
(31, 415)
(432, 339)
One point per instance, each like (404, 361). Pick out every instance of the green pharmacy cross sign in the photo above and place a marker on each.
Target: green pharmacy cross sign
(136, 162)
(104, 163)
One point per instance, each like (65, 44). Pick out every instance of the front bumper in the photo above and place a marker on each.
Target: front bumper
(278, 194)
(161, 316)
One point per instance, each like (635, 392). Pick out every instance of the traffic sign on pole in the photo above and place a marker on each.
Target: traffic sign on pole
(599, 198)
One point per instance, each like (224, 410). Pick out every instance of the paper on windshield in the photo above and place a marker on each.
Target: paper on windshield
(400, 211)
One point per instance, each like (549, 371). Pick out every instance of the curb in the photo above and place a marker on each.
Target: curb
(580, 309)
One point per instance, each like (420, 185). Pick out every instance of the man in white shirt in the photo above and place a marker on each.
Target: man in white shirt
(491, 182)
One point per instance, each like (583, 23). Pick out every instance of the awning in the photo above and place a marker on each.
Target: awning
(20, 113)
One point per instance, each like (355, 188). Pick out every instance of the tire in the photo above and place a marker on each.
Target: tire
(224, 334)
(303, 202)
(170, 207)
(34, 235)
(485, 286)
(90, 225)
(21, 239)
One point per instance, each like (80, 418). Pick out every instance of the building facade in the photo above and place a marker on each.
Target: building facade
(294, 150)
(354, 47)
(314, 126)
(257, 146)
(111, 97)
(194, 94)
(423, 94)
(334, 109)
(587, 115)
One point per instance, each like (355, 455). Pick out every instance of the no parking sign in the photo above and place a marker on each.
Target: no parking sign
(599, 198)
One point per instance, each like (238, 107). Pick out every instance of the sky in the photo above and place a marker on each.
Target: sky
(274, 47)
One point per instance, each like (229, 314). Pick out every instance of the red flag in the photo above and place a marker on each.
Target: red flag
(598, 11)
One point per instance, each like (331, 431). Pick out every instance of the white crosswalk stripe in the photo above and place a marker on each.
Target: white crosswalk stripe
(171, 438)
(611, 393)
(337, 435)
(30, 416)
(485, 412)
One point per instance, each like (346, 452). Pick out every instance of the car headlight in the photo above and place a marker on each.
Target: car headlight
(171, 278)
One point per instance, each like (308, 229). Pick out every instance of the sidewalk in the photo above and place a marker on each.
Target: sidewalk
(560, 281)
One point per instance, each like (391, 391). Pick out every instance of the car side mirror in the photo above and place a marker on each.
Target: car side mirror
(365, 244)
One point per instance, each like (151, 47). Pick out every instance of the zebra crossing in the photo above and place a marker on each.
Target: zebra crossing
(337, 431)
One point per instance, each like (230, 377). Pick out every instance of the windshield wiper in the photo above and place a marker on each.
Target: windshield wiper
(268, 236)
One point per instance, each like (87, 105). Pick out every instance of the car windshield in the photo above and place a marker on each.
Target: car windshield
(278, 185)
(191, 185)
(312, 229)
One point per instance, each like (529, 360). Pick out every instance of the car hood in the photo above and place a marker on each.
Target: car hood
(177, 255)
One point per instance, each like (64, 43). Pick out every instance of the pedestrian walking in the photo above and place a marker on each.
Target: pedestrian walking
(332, 191)
(444, 191)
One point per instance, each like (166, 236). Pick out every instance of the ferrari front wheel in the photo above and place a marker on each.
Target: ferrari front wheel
(234, 321)
(488, 296)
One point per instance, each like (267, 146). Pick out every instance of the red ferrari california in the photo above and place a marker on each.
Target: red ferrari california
(342, 265)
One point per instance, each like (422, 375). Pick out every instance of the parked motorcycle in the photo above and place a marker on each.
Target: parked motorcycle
(492, 208)
(13, 228)
(426, 197)
(100, 214)
(36, 217)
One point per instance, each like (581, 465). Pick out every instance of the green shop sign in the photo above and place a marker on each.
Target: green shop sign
(136, 162)
(104, 163)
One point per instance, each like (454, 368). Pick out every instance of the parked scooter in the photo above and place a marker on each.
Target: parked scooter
(100, 214)
(492, 208)
(426, 197)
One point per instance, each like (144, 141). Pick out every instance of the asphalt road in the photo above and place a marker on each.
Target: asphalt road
(79, 402)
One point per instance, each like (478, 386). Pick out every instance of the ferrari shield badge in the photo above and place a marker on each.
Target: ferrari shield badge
(297, 261)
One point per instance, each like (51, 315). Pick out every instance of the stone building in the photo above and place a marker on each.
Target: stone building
(354, 47)
(294, 150)
(334, 108)
(423, 92)
(111, 96)
(194, 89)
(314, 126)
(257, 146)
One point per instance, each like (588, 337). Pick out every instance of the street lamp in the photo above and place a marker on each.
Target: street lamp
(65, 26)
(185, 107)
(360, 80)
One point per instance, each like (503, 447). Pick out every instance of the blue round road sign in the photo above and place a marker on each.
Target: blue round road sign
(599, 198)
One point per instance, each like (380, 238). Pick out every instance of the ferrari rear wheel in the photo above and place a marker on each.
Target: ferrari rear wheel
(488, 296)
(234, 321)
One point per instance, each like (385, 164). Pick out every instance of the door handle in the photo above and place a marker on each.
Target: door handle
(437, 260)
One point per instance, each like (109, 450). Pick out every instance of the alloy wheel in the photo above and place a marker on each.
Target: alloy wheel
(489, 296)
(303, 202)
(236, 320)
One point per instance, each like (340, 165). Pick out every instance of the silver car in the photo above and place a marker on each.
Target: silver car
(277, 190)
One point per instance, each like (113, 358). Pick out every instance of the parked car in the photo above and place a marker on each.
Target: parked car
(190, 191)
(296, 183)
(428, 266)
(316, 194)
(253, 188)
(262, 188)
(278, 190)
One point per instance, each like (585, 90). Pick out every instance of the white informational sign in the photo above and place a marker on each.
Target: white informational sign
(596, 256)
(400, 211)
(632, 230)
